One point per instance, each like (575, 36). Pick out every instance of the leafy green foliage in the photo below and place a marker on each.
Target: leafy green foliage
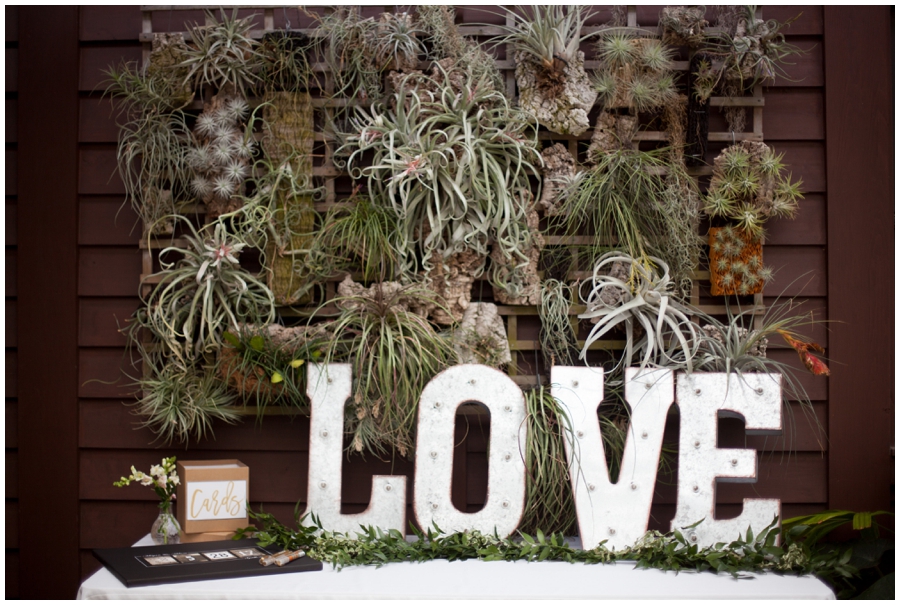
(673, 552)
(548, 493)
(642, 201)
(394, 353)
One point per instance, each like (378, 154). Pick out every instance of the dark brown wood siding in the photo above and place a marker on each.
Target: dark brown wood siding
(818, 257)
(12, 402)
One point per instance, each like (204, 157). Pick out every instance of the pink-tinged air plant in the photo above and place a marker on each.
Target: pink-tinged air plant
(812, 363)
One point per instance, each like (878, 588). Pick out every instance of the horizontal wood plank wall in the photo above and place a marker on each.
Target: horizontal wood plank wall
(12, 406)
(46, 313)
(111, 440)
(861, 231)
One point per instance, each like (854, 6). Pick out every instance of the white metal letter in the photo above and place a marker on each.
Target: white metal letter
(702, 398)
(434, 450)
(615, 512)
(328, 388)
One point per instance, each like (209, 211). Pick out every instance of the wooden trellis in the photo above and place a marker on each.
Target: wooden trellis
(520, 320)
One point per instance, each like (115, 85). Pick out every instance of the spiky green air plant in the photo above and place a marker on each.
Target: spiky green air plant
(749, 186)
(635, 72)
(447, 42)
(284, 61)
(358, 51)
(551, 35)
(182, 402)
(549, 505)
(736, 346)
(645, 300)
(152, 150)
(200, 295)
(394, 353)
(224, 54)
(643, 202)
(558, 337)
(362, 237)
(453, 163)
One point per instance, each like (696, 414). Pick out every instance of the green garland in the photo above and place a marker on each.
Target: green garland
(670, 552)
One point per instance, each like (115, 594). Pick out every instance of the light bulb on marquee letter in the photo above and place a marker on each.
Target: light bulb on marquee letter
(328, 388)
(434, 450)
(615, 512)
(702, 399)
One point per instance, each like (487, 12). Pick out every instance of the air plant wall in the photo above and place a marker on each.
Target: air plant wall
(376, 190)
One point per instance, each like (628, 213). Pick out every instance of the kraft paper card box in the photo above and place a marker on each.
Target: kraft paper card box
(212, 496)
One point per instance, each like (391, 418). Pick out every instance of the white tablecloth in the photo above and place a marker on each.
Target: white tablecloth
(472, 580)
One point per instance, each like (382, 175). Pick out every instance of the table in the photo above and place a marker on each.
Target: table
(472, 580)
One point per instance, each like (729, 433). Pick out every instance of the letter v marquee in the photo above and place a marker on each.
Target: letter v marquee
(615, 512)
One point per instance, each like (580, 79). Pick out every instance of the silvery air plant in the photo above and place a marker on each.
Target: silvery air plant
(164, 480)
(639, 295)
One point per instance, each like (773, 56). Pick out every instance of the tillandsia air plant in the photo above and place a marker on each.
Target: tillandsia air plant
(549, 504)
(549, 35)
(736, 262)
(623, 290)
(454, 162)
(284, 61)
(640, 200)
(635, 73)
(749, 186)
(394, 352)
(558, 337)
(733, 347)
(553, 86)
(181, 402)
(200, 295)
(447, 43)
(751, 50)
(151, 151)
(359, 51)
(221, 153)
(224, 55)
(361, 237)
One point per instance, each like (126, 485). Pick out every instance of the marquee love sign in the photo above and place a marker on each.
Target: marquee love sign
(615, 512)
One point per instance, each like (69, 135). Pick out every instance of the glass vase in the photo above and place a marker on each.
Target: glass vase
(165, 529)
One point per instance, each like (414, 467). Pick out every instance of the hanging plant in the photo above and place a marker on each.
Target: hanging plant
(549, 502)
(359, 51)
(558, 337)
(394, 352)
(152, 143)
(640, 200)
(635, 72)
(180, 402)
(553, 86)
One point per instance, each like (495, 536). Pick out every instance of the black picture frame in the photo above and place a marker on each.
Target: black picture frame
(195, 561)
